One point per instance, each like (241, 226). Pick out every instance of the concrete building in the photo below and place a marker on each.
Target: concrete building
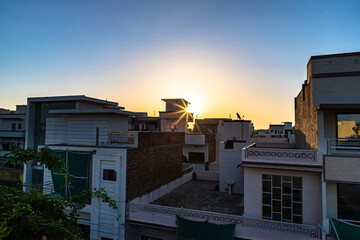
(318, 179)
(280, 129)
(12, 128)
(93, 138)
(175, 118)
(327, 116)
(12, 134)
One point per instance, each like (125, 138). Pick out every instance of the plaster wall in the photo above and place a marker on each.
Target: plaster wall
(228, 168)
(311, 193)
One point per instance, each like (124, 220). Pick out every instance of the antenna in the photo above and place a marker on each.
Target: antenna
(238, 115)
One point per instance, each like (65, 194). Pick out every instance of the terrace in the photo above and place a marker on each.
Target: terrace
(200, 200)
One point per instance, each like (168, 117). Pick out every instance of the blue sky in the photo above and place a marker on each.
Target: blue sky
(223, 56)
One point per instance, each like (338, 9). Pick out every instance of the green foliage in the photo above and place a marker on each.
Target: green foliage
(33, 215)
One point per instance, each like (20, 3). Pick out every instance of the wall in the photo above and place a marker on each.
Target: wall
(311, 193)
(228, 167)
(331, 200)
(81, 129)
(305, 119)
(337, 90)
(156, 162)
(166, 124)
(342, 169)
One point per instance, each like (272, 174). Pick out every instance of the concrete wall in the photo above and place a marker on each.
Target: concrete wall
(228, 168)
(81, 129)
(337, 90)
(335, 64)
(331, 200)
(311, 193)
(342, 169)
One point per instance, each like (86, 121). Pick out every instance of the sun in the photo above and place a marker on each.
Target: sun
(194, 107)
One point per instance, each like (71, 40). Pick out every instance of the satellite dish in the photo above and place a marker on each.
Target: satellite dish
(238, 115)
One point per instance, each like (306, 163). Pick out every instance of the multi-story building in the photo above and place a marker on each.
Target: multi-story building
(12, 134)
(327, 119)
(317, 179)
(280, 129)
(92, 137)
(175, 118)
(12, 128)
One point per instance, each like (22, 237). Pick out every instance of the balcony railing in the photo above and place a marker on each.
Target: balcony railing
(338, 146)
(153, 210)
(283, 154)
(121, 138)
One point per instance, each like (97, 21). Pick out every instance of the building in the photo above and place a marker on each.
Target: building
(12, 134)
(318, 179)
(175, 118)
(92, 137)
(327, 119)
(12, 128)
(280, 129)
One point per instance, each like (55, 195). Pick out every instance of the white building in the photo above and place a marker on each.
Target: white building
(175, 118)
(92, 137)
(12, 128)
(280, 129)
(12, 134)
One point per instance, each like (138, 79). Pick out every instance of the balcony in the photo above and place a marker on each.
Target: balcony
(342, 162)
(195, 139)
(343, 147)
(12, 134)
(94, 139)
(281, 156)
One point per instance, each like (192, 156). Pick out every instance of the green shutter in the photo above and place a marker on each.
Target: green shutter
(194, 230)
(58, 179)
(78, 166)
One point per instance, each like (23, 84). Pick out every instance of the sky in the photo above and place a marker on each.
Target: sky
(223, 57)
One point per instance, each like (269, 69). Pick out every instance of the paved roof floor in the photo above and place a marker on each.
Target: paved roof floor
(204, 196)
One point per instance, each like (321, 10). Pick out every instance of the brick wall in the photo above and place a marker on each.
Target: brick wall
(157, 161)
(306, 116)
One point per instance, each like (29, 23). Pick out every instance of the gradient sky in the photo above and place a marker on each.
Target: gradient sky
(222, 56)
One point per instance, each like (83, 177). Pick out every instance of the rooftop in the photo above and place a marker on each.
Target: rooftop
(175, 99)
(72, 98)
(202, 195)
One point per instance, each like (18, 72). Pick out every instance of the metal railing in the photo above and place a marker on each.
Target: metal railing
(342, 145)
(273, 153)
(121, 138)
(302, 229)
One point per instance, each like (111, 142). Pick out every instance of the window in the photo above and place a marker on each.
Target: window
(282, 198)
(349, 201)
(196, 157)
(109, 174)
(19, 126)
(348, 125)
(13, 127)
(6, 146)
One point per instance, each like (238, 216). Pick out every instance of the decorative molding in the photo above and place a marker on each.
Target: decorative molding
(269, 153)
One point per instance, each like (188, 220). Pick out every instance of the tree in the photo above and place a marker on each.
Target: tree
(33, 215)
